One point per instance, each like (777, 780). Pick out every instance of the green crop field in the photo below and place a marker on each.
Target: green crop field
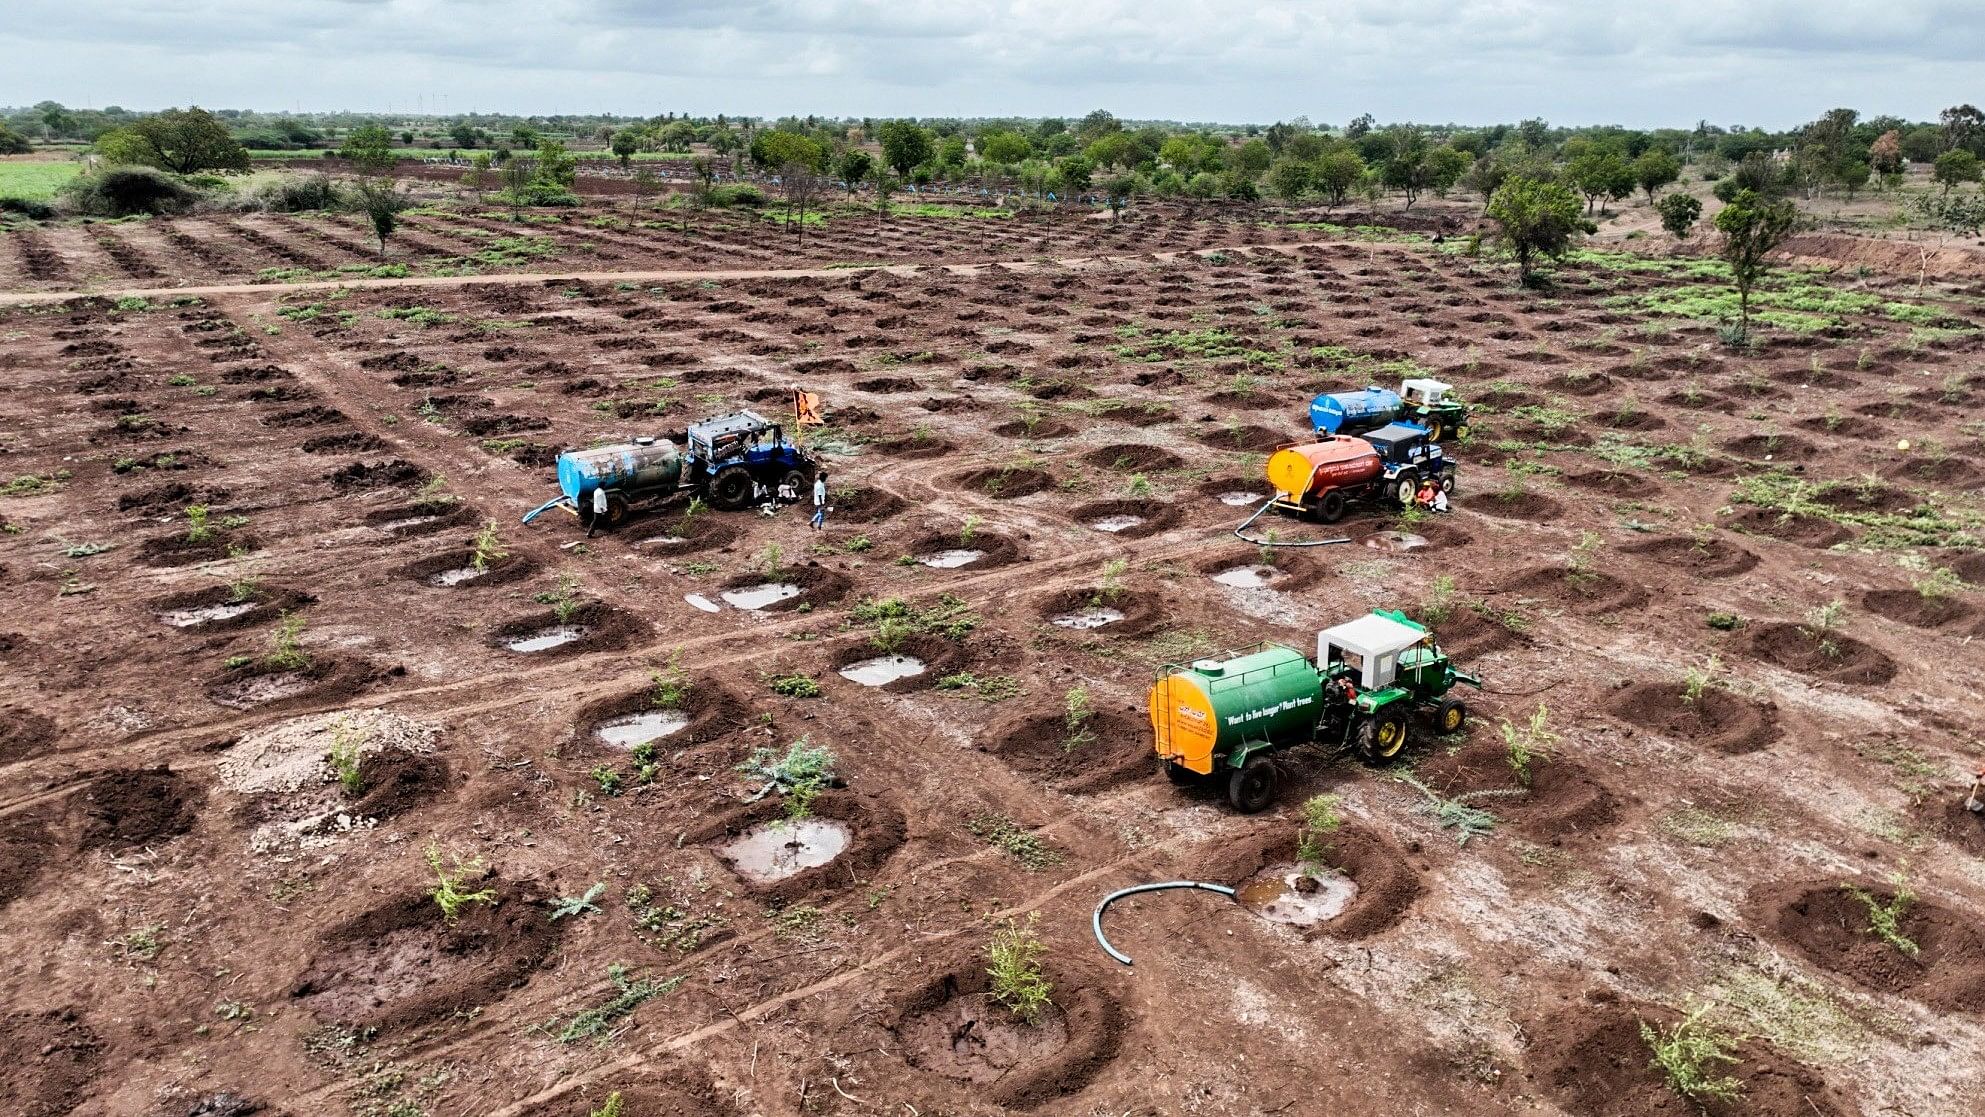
(36, 181)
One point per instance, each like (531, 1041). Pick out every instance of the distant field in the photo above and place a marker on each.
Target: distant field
(35, 181)
(434, 153)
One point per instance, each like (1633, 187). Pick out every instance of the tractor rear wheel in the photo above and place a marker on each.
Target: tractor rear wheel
(796, 481)
(1407, 488)
(1330, 507)
(1447, 483)
(1434, 429)
(731, 488)
(1382, 736)
(1252, 786)
(1451, 717)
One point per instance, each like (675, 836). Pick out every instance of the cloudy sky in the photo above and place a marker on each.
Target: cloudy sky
(1651, 62)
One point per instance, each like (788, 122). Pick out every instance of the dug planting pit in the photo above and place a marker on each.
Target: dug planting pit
(1828, 656)
(459, 569)
(700, 533)
(1126, 519)
(956, 550)
(850, 836)
(309, 778)
(266, 685)
(1076, 755)
(1563, 801)
(952, 1029)
(1297, 896)
(219, 608)
(1589, 1055)
(419, 519)
(590, 628)
(401, 965)
(1008, 483)
(1708, 557)
(146, 806)
(1712, 718)
(1360, 884)
(911, 662)
(170, 551)
(1589, 593)
(1789, 527)
(1942, 966)
(784, 589)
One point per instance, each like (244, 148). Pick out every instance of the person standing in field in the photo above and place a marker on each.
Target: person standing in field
(820, 501)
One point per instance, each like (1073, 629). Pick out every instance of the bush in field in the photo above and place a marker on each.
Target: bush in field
(183, 141)
(300, 194)
(1679, 213)
(125, 191)
(742, 194)
(1535, 219)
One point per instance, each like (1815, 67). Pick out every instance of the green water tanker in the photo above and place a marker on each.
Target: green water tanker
(1227, 714)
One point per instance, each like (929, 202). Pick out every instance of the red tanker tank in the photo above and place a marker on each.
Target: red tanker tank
(1310, 469)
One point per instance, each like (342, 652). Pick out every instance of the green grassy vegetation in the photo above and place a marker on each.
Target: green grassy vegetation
(934, 209)
(1927, 525)
(1792, 301)
(1207, 344)
(35, 182)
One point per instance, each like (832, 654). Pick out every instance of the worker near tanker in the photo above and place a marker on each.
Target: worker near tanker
(1975, 801)
(599, 510)
(820, 501)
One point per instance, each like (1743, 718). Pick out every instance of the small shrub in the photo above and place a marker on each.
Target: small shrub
(1885, 920)
(197, 528)
(1724, 622)
(345, 745)
(288, 640)
(1018, 842)
(448, 893)
(1076, 712)
(1528, 744)
(1320, 818)
(1696, 680)
(1013, 961)
(488, 549)
(1688, 1054)
(670, 687)
(795, 685)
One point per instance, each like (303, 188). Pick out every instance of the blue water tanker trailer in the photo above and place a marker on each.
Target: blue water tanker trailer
(729, 461)
(1423, 402)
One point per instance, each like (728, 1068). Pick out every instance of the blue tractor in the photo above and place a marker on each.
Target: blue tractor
(731, 461)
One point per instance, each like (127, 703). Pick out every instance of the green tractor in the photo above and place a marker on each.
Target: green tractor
(1227, 715)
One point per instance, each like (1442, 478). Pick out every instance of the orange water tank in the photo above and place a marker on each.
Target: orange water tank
(1312, 468)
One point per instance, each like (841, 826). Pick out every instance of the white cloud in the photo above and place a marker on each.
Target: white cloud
(1776, 62)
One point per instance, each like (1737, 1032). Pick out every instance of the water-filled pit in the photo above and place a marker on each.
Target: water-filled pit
(758, 597)
(773, 851)
(952, 559)
(391, 526)
(661, 541)
(1238, 499)
(456, 576)
(546, 638)
(883, 670)
(257, 690)
(1288, 894)
(1394, 541)
(1114, 524)
(1089, 618)
(187, 618)
(701, 602)
(1247, 577)
(638, 729)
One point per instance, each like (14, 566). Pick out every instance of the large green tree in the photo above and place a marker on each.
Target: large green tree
(370, 149)
(1535, 219)
(183, 141)
(1752, 226)
(905, 144)
(1655, 169)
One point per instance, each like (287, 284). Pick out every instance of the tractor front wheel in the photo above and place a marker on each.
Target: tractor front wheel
(731, 488)
(1382, 736)
(1434, 429)
(1451, 717)
(1252, 786)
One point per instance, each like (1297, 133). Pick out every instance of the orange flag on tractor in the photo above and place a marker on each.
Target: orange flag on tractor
(806, 409)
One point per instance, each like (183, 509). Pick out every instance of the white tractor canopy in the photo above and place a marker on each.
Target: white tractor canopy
(1425, 392)
(1370, 645)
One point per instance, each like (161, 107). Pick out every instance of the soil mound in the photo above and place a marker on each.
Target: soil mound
(1005, 483)
(24, 734)
(1107, 750)
(1115, 517)
(1589, 593)
(818, 586)
(1535, 507)
(912, 447)
(1717, 719)
(1792, 527)
(54, 1060)
(1388, 881)
(26, 843)
(1564, 800)
(1249, 438)
(138, 806)
(1918, 610)
(1832, 657)
(952, 1028)
(1590, 1058)
(864, 505)
(400, 965)
(1830, 926)
(1136, 613)
(601, 627)
(1708, 558)
(394, 782)
(1133, 457)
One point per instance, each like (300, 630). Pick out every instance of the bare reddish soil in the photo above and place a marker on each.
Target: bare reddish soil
(191, 936)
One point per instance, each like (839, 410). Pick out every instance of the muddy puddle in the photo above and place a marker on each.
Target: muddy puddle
(1395, 541)
(661, 541)
(1287, 894)
(456, 576)
(545, 639)
(975, 1040)
(391, 527)
(883, 670)
(952, 559)
(1089, 618)
(205, 614)
(1114, 524)
(701, 602)
(1238, 499)
(257, 690)
(638, 729)
(1248, 577)
(759, 597)
(773, 851)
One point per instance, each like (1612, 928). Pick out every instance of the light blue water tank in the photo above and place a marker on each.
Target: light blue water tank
(637, 468)
(1351, 412)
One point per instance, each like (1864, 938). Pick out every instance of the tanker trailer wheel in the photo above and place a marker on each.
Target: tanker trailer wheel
(1252, 786)
(1451, 717)
(1330, 508)
(1382, 736)
(731, 488)
(616, 511)
(1407, 488)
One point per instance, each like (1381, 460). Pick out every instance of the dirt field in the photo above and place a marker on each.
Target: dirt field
(205, 921)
